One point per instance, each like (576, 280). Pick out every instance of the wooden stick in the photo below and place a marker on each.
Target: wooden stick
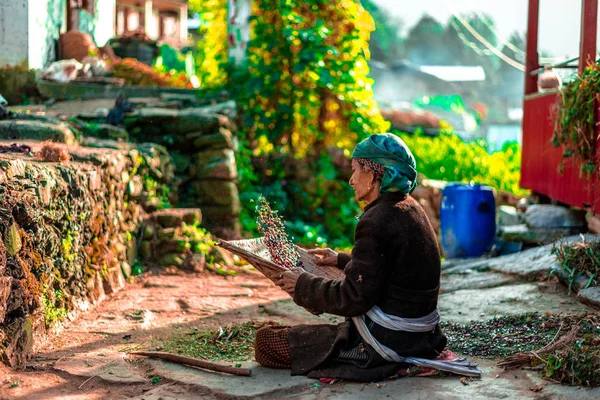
(193, 361)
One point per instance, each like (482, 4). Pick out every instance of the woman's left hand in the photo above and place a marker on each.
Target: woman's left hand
(287, 280)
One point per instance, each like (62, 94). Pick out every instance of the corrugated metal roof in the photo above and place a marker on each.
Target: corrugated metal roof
(455, 73)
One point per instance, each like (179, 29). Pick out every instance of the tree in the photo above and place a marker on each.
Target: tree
(425, 44)
(386, 42)
(510, 80)
(211, 48)
(307, 84)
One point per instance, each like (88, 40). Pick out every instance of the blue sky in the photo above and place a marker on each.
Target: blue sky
(559, 19)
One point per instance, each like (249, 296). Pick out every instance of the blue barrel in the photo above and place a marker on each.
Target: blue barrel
(468, 220)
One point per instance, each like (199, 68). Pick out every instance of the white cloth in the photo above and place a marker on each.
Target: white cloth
(460, 366)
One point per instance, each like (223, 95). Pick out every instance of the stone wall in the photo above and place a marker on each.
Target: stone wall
(68, 231)
(202, 143)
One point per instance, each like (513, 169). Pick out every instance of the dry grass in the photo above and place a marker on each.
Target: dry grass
(53, 152)
(571, 359)
(580, 259)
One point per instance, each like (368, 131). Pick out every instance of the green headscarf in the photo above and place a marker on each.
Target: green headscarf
(390, 151)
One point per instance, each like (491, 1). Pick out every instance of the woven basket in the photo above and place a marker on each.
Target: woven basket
(256, 253)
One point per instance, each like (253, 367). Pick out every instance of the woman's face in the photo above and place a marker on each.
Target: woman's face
(365, 188)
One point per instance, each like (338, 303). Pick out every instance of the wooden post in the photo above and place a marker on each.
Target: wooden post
(589, 26)
(531, 59)
(73, 15)
(148, 16)
(183, 25)
(126, 11)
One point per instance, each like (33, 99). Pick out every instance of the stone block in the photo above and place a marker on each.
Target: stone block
(5, 285)
(15, 84)
(95, 289)
(167, 233)
(36, 130)
(228, 108)
(2, 256)
(219, 140)
(182, 162)
(145, 250)
(105, 131)
(214, 164)
(175, 217)
(547, 216)
(173, 122)
(590, 296)
(576, 283)
(226, 217)
(126, 269)
(508, 216)
(170, 246)
(113, 280)
(174, 259)
(17, 298)
(217, 193)
(522, 233)
(18, 342)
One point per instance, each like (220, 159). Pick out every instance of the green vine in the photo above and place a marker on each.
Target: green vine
(575, 128)
(211, 48)
(307, 78)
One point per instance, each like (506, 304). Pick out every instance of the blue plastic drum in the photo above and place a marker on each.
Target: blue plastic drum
(468, 220)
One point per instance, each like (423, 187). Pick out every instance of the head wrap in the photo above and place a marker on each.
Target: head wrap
(390, 151)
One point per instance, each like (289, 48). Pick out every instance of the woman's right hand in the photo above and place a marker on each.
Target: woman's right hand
(325, 257)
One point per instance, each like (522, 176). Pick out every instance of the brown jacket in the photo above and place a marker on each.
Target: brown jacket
(395, 264)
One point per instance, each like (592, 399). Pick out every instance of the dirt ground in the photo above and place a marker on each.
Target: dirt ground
(146, 310)
(87, 360)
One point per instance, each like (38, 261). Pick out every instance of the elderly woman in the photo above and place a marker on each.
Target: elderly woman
(390, 289)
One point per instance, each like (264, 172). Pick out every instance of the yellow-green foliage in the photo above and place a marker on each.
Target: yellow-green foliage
(307, 80)
(53, 313)
(67, 247)
(447, 157)
(211, 49)
(202, 241)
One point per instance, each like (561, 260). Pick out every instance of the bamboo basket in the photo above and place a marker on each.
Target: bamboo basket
(256, 253)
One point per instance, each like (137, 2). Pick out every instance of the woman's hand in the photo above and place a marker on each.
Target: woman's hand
(287, 280)
(327, 257)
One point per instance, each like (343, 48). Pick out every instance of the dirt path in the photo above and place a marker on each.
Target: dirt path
(154, 307)
(87, 360)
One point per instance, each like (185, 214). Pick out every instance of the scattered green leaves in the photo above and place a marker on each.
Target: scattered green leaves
(508, 335)
(231, 343)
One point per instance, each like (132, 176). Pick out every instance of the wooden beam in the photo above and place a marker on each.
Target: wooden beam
(531, 59)
(589, 29)
(73, 7)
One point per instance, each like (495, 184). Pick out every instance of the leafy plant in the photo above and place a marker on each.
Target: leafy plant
(579, 259)
(52, 312)
(447, 157)
(307, 85)
(211, 48)
(575, 128)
